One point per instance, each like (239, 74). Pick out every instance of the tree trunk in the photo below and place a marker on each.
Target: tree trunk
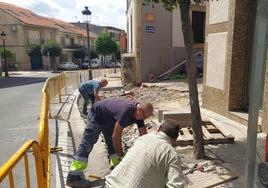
(1, 65)
(198, 141)
(53, 63)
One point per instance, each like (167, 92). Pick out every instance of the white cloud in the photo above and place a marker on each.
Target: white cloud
(111, 13)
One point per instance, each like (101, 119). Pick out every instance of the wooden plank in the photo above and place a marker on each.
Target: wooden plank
(217, 135)
(206, 133)
(182, 135)
(187, 134)
(213, 130)
(176, 66)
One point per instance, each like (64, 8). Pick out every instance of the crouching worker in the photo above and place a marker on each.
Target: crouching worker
(110, 117)
(151, 162)
(89, 90)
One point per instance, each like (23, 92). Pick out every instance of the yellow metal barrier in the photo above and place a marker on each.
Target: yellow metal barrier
(53, 87)
(6, 169)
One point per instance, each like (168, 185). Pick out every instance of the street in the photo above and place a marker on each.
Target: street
(20, 99)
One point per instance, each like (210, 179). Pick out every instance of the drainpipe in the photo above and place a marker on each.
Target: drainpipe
(258, 58)
(137, 34)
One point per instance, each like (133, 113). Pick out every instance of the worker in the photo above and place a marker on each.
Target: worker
(109, 116)
(150, 162)
(90, 90)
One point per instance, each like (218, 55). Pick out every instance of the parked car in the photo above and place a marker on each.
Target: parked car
(199, 62)
(85, 64)
(67, 65)
(117, 64)
(95, 63)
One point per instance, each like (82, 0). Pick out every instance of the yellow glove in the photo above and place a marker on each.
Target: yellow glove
(114, 160)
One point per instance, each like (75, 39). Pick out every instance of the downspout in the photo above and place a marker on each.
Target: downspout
(257, 58)
(137, 34)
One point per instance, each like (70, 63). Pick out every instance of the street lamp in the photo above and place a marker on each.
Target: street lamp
(3, 36)
(87, 16)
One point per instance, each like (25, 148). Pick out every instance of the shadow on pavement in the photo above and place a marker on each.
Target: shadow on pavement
(6, 82)
(98, 183)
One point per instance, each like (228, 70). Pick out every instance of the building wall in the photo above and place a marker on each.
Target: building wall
(15, 39)
(265, 101)
(131, 32)
(156, 46)
(227, 52)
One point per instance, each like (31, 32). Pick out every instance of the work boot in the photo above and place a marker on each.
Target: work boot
(84, 115)
(77, 181)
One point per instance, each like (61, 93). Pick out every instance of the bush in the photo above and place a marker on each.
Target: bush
(51, 48)
(34, 50)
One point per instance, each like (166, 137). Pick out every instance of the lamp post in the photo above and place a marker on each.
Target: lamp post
(3, 36)
(87, 16)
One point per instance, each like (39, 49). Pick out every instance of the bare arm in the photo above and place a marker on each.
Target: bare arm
(97, 97)
(117, 134)
(142, 131)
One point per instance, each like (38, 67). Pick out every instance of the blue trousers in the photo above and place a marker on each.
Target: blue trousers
(90, 137)
(86, 96)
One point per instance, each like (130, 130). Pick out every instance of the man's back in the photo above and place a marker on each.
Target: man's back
(150, 163)
(91, 86)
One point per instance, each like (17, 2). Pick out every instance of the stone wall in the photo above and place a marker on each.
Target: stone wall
(265, 101)
(128, 69)
(226, 55)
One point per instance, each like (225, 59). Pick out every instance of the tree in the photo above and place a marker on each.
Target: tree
(184, 5)
(34, 50)
(52, 49)
(79, 54)
(9, 55)
(94, 54)
(105, 45)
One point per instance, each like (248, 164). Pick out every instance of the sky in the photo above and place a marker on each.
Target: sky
(104, 12)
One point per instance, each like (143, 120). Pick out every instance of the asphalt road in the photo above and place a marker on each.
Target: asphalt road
(20, 99)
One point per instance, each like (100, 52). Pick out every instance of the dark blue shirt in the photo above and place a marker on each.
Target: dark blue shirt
(108, 111)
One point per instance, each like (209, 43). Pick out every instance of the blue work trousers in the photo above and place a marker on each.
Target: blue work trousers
(90, 137)
(86, 96)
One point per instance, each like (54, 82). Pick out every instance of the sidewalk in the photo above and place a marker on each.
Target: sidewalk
(232, 156)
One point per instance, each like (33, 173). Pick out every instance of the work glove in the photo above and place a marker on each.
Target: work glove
(78, 165)
(115, 160)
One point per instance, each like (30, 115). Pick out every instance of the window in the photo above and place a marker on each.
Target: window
(198, 25)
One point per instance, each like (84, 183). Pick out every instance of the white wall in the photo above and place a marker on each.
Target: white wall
(218, 11)
(216, 59)
(177, 35)
(131, 41)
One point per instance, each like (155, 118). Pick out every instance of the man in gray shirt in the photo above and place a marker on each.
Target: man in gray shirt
(89, 90)
(152, 162)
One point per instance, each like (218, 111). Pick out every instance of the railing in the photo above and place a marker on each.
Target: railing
(53, 88)
(6, 169)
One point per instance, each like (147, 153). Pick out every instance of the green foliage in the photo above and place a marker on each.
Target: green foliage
(172, 4)
(93, 54)
(105, 45)
(9, 54)
(79, 54)
(34, 50)
(51, 48)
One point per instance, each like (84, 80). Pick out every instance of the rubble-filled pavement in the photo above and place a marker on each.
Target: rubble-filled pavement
(162, 96)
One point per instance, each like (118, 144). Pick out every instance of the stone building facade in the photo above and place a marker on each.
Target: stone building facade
(233, 38)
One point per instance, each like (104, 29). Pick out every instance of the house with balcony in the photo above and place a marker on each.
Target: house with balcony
(23, 27)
